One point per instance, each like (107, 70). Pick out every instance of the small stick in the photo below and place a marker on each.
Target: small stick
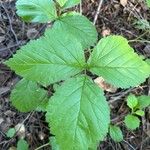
(98, 11)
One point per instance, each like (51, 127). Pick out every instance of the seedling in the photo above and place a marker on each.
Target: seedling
(78, 113)
(136, 104)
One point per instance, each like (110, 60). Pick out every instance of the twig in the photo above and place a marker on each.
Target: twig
(45, 145)
(98, 11)
(80, 6)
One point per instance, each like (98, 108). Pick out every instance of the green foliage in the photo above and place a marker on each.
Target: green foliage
(84, 115)
(140, 113)
(142, 24)
(115, 133)
(115, 61)
(27, 96)
(78, 26)
(54, 145)
(132, 122)
(71, 3)
(36, 10)
(77, 113)
(49, 60)
(148, 3)
(11, 132)
(143, 101)
(132, 101)
(22, 145)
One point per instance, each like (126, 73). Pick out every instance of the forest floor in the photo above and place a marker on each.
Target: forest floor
(114, 18)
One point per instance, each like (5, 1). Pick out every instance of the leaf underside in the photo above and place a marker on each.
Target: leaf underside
(27, 96)
(36, 10)
(78, 113)
(78, 26)
(115, 61)
(49, 59)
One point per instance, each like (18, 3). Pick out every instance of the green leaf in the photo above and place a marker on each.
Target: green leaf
(132, 101)
(148, 61)
(132, 122)
(140, 113)
(115, 133)
(22, 145)
(78, 26)
(36, 10)
(27, 96)
(143, 101)
(61, 2)
(53, 143)
(49, 59)
(148, 3)
(78, 112)
(11, 132)
(116, 62)
(71, 3)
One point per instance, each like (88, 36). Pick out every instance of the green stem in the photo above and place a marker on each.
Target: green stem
(141, 41)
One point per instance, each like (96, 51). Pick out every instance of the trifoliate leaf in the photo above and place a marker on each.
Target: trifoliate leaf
(132, 122)
(78, 26)
(116, 62)
(61, 2)
(22, 145)
(140, 113)
(27, 96)
(143, 101)
(71, 3)
(115, 133)
(132, 101)
(78, 112)
(11, 132)
(52, 58)
(36, 10)
(54, 145)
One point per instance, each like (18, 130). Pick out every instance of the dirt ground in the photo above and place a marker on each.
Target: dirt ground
(113, 18)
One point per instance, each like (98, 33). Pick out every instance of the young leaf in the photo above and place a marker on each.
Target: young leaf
(132, 122)
(36, 10)
(143, 101)
(78, 26)
(61, 2)
(27, 96)
(22, 145)
(116, 62)
(11, 132)
(140, 113)
(132, 101)
(71, 3)
(78, 112)
(50, 59)
(115, 133)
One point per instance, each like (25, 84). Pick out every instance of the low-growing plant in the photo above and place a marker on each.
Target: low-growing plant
(78, 113)
(136, 104)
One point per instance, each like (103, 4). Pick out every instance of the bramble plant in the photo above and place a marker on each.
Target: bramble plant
(136, 104)
(78, 113)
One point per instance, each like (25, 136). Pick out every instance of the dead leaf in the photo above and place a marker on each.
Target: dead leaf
(123, 2)
(105, 86)
(20, 129)
(106, 32)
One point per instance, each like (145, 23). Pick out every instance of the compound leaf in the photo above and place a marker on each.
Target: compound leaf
(36, 10)
(78, 112)
(115, 133)
(71, 3)
(132, 101)
(27, 96)
(78, 26)
(132, 122)
(116, 62)
(143, 101)
(49, 59)
(22, 145)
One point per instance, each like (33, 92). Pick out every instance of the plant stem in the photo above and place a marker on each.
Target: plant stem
(141, 41)
(45, 145)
